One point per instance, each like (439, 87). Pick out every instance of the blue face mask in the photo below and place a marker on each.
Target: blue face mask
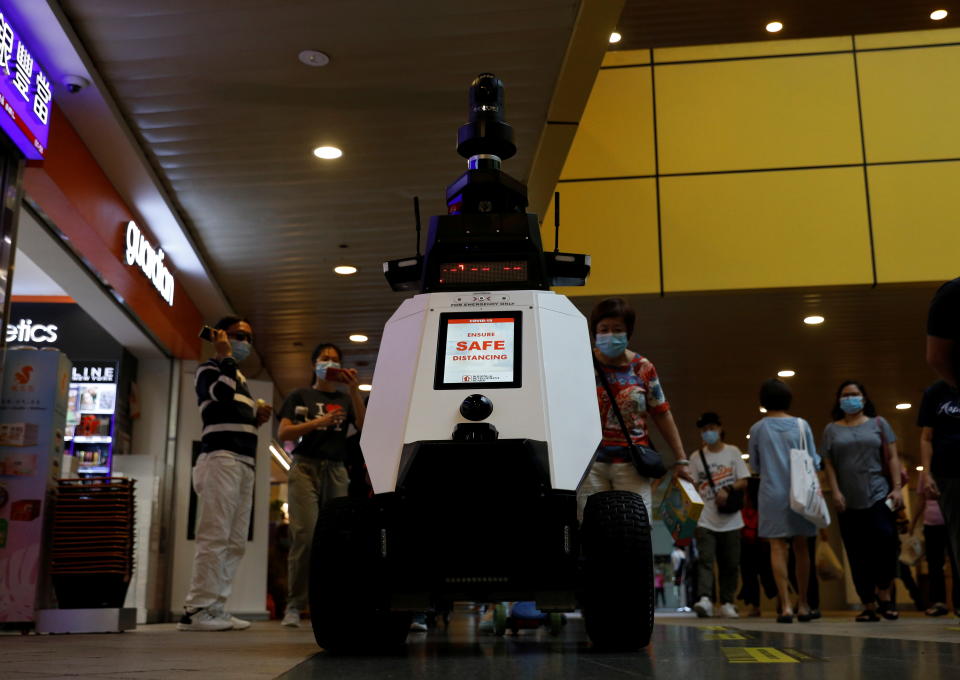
(851, 405)
(611, 344)
(241, 350)
(321, 368)
(710, 437)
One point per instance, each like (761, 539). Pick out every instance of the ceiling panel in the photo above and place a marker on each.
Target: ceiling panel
(670, 23)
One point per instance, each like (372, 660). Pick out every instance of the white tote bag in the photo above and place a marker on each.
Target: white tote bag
(806, 497)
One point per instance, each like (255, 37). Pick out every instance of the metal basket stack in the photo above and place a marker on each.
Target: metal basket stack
(92, 542)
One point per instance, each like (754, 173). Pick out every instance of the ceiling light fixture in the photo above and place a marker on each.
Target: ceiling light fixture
(814, 320)
(748, 436)
(358, 337)
(774, 27)
(745, 456)
(328, 153)
(904, 406)
(615, 38)
(786, 374)
(313, 58)
(365, 387)
(345, 270)
(938, 14)
(763, 410)
(919, 468)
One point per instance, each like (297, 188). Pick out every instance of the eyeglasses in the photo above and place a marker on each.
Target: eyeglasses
(242, 336)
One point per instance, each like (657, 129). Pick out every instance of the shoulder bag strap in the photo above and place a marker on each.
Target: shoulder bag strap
(613, 403)
(706, 471)
(803, 436)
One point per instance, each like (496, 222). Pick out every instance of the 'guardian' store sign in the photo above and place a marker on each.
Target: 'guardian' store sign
(141, 254)
(25, 94)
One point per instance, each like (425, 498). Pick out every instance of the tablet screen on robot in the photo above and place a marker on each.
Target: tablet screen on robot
(477, 350)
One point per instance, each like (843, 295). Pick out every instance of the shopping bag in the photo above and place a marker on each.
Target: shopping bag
(828, 564)
(911, 549)
(680, 509)
(806, 497)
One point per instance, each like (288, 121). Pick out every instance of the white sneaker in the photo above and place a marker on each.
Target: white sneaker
(418, 625)
(291, 619)
(729, 611)
(704, 607)
(238, 624)
(203, 620)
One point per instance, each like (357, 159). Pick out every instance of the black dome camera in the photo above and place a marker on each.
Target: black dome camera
(476, 407)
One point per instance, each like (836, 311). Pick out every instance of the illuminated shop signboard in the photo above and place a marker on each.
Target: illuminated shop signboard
(25, 93)
(150, 260)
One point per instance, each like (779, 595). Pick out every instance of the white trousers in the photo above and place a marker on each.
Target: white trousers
(614, 477)
(224, 486)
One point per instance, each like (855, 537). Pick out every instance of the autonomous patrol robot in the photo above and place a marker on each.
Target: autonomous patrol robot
(482, 421)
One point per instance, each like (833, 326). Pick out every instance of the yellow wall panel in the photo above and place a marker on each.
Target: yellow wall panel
(765, 230)
(916, 221)
(911, 103)
(615, 222)
(937, 36)
(765, 113)
(615, 135)
(762, 48)
(626, 57)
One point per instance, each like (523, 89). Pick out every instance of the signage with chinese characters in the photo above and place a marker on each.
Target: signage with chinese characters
(143, 255)
(25, 93)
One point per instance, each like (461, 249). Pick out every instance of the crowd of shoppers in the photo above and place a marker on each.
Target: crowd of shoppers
(747, 530)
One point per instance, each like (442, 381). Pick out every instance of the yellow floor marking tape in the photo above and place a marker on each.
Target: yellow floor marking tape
(712, 627)
(757, 655)
(725, 636)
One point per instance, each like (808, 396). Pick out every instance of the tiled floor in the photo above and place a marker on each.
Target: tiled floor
(683, 648)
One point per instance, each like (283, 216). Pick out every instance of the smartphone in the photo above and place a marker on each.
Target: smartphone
(335, 375)
(207, 333)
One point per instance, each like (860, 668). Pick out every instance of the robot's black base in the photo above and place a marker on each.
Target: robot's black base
(377, 561)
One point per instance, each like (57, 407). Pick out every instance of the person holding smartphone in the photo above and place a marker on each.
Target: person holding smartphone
(317, 418)
(223, 475)
(860, 452)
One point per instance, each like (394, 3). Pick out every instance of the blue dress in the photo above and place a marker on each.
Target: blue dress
(770, 442)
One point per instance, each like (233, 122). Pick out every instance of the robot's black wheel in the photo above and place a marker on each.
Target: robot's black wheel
(617, 589)
(350, 613)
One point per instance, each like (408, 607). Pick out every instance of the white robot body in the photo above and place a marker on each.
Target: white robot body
(551, 397)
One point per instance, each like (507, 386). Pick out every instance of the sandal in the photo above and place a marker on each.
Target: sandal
(867, 616)
(939, 609)
(886, 610)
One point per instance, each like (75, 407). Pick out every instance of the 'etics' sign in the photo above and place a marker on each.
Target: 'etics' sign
(143, 255)
(25, 94)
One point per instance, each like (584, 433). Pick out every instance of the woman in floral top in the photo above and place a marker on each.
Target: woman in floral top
(637, 390)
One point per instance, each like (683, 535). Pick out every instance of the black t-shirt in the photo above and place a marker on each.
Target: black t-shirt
(321, 444)
(943, 320)
(940, 410)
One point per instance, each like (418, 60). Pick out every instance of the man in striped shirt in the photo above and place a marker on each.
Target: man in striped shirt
(223, 477)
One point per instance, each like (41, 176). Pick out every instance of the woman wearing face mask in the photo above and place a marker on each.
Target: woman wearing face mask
(316, 417)
(636, 387)
(861, 458)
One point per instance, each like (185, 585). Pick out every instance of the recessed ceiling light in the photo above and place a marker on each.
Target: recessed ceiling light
(813, 320)
(919, 468)
(904, 406)
(345, 270)
(786, 374)
(938, 14)
(358, 337)
(313, 58)
(763, 410)
(365, 387)
(748, 436)
(327, 153)
(615, 37)
(774, 27)
(745, 456)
